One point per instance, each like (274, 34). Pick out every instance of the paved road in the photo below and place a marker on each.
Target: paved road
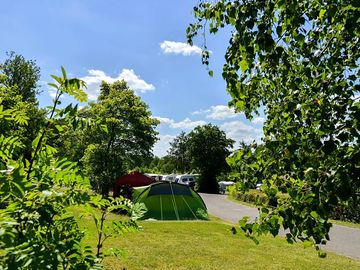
(344, 240)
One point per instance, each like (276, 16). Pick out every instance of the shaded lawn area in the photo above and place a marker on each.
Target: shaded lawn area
(206, 245)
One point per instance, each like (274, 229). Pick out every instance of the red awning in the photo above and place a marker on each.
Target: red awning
(134, 179)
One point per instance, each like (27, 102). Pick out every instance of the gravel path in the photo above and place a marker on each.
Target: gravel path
(344, 240)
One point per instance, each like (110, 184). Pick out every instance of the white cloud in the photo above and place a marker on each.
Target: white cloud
(218, 112)
(95, 77)
(174, 47)
(221, 112)
(201, 112)
(184, 124)
(135, 82)
(258, 120)
(162, 145)
(187, 124)
(239, 131)
(52, 92)
(164, 120)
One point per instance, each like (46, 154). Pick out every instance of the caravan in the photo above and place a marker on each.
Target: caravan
(186, 179)
(168, 177)
(154, 176)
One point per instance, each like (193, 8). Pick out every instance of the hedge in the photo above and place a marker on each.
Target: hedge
(256, 197)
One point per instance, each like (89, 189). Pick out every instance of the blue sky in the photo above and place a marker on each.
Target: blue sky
(142, 42)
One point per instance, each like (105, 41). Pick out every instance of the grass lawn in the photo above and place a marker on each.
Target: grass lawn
(206, 245)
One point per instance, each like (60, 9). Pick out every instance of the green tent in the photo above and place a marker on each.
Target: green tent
(170, 201)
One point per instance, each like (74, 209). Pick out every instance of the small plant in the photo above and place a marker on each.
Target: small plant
(115, 228)
(202, 214)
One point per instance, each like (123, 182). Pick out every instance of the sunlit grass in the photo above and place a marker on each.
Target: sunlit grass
(207, 245)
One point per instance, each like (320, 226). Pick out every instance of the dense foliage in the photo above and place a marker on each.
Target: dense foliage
(299, 60)
(37, 231)
(163, 165)
(21, 77)
(208, 148)
(37, 228)
(178, 152)
(126, 138)
(245, 164)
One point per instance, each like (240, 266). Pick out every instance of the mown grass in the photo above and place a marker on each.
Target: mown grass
(206, 245)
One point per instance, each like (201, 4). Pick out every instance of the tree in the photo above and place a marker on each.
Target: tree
(208, 148)
(22, 74)
(178, 151)
(300, 60)
(167, 165)
(126, 138)
(34, 199)
(21, 77)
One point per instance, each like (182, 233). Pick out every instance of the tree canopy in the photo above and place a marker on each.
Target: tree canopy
(126, 138)
(20, 78)
(178, 151)
(22, 74)
(299, 61)
(208, 147)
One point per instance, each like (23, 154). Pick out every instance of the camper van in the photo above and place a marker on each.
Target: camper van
(156, 177)
(186, 179)
(168, 177)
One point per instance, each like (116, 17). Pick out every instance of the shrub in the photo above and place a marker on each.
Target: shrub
(341, 212)
(345, 213)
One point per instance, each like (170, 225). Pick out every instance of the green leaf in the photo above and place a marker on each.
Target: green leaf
(63, 72)
(244, 65)
(138, 211)
(314, 214)
(53, 85)
(58, 79)
(321, 13)
(59, 128)
(308, 243)
(36, 141)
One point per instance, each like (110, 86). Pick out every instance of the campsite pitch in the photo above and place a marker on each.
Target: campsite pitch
(207, 245)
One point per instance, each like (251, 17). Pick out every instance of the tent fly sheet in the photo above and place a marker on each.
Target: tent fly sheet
(170, 201)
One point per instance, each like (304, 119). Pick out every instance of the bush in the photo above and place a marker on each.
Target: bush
(345, 213)
(256, 197)
(252, 196)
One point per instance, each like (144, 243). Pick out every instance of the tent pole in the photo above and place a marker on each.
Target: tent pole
(188, 206)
